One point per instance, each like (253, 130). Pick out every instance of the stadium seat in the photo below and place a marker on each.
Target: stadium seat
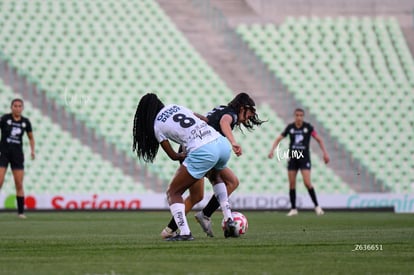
(95, 50)
(63, 164)
(348, 54)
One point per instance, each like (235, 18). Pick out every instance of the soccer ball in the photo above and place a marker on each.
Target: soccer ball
(240, 220)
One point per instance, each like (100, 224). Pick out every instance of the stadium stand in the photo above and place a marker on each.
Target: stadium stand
(97, 67)
(356, 76)
(63, 164)
(96, 59)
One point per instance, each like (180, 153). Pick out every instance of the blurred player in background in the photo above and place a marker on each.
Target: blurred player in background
(240, 111)
(206, 151)
(13, 126)
(300, 133)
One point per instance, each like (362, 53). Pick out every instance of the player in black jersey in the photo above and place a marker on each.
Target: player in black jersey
(300, 133)
(12, 127)
(240, 111)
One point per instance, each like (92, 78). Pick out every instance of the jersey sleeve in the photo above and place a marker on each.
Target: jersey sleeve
(286, 131)
(312, 131)
(311, 128)
(158, 135)
(28, 126)
(2, 121)
(234, 116)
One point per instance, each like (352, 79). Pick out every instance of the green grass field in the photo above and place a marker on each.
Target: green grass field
(129, 243)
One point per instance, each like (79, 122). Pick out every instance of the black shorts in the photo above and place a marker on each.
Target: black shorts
(13, 156)
(295, 164)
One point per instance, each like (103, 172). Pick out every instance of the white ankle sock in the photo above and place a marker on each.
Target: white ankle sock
(178, 212)
(221, 194)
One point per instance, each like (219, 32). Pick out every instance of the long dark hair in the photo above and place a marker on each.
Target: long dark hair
(244, 100)
(16, 100)
(144, 142)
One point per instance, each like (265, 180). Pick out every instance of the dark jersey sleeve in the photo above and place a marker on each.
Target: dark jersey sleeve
(2, 120)
(28, 126)
(311, 129)
(215, 115)
(286, 131)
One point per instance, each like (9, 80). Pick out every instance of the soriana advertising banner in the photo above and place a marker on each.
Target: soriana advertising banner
(87, 202)
(402, 203)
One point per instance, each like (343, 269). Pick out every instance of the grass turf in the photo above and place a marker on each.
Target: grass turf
(129, 243)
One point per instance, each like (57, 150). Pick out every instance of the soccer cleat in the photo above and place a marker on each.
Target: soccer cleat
(319, 211)
(292, 212)
(176, 238)
(22, 216)
(205, 223)
(168, 233)
(230, 229)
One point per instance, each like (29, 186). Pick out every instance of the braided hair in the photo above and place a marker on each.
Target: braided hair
(244, 100)
(144, 142)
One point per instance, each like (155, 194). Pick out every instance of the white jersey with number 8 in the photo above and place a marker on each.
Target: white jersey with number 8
(181, 126)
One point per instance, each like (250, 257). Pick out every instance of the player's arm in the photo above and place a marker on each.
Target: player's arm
(32, 144)
(322, 145)
(201, 117)
(275, 144)
(172, 154)
(225, 126)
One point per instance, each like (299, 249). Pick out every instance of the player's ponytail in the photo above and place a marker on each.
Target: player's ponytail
(144, 142)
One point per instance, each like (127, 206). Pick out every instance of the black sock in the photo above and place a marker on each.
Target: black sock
(20, 204)
(313, 196)
(292, 195)
(173, 225)
(211, 206)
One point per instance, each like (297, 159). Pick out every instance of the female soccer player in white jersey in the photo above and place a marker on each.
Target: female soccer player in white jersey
(205, 151)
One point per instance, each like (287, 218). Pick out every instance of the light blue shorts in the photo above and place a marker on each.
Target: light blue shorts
(215, 155)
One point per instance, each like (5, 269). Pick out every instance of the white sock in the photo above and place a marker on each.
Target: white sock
(178, 212)
(221, 194)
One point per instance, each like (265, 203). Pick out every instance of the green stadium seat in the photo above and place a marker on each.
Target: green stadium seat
(63, 164)
(347, 54)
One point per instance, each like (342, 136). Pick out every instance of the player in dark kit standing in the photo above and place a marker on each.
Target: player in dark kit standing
(300, 133)
(12, 127)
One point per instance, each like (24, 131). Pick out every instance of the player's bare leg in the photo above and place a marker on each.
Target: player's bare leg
(306, 174)
(203, 217)
(2, 175)
(181, 181)
(292, 192)
(220, 191)
(18, 175)
(196, 194)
